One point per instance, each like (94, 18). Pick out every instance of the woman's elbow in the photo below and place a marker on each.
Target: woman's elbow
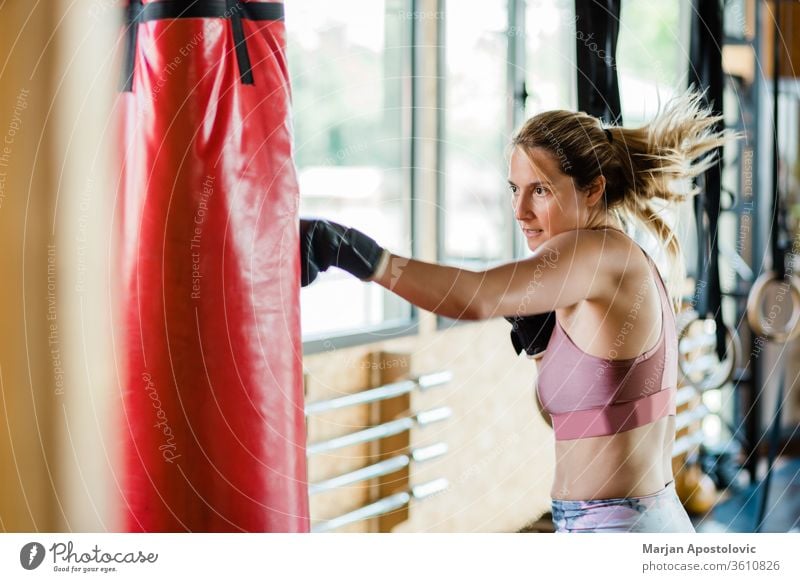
(465, 306)
(467, 313)
(475, 311)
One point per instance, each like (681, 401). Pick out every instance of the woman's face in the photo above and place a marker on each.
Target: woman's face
(545, 200)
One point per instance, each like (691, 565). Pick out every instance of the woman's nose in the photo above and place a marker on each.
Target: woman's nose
(521, 209)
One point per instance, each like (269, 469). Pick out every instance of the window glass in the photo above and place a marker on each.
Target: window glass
(349, 77)
(550, 53)
(652, 62)
(549, 69)
(476, 217)
(651, 57)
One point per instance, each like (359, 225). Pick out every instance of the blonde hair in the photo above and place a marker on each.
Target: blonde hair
(639, 164)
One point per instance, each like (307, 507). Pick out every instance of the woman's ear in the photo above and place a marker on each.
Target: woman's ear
(595, 191)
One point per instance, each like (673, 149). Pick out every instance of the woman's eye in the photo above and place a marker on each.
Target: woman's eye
(539, 191)
(513, 189)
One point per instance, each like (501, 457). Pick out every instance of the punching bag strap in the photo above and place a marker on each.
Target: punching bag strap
(242, 58)
(235, 10)
(133, 16)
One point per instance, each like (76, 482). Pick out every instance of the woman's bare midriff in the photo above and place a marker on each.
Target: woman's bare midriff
(627, 464)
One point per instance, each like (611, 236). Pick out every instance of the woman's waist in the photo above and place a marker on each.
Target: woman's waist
(660, 490)
(635, 462)
(601, 485)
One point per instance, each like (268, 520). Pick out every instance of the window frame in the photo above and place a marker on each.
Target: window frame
(331, 341)
(514, 115)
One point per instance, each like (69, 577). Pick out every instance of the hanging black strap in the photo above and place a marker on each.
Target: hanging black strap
(235, 10)
(778, 245)
(242, 58)
(597, 29)
(706, 73)
(132, 19)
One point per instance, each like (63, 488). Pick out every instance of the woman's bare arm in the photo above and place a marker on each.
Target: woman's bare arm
(555, 276)
(441, 289)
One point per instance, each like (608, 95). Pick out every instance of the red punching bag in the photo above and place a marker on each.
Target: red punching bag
(212, 404)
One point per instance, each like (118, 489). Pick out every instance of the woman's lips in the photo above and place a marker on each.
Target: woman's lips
(532, 232)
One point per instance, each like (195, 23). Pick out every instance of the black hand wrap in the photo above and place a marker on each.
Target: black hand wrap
(531, 332)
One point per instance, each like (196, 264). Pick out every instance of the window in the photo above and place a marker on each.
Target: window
(351, 106)
(652, 64)
(652, 55)
(477, 218)
(475, 213)
(550, 52)
(549, 71)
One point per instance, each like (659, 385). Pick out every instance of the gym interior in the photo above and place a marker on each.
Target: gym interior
(374, 415)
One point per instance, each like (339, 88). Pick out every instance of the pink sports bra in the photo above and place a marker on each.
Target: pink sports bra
(587, 396)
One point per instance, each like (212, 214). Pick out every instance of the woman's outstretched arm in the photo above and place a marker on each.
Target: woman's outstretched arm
(566, 269)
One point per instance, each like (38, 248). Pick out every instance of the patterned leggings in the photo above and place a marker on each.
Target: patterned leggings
(660, 512)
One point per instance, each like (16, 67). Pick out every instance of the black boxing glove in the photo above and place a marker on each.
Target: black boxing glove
(531, 332)
(324, 244)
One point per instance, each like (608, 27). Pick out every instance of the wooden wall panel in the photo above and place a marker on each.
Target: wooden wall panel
(329, 375)
(500, 462)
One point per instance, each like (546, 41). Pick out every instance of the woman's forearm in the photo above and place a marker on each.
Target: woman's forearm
(446, 291)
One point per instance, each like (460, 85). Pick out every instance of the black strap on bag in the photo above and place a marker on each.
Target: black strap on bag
(132, 19)
(242, 58)
(596, 32)
(705, 72)
(136, 13)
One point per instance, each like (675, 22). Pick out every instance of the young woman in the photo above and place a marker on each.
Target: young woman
(608, 377)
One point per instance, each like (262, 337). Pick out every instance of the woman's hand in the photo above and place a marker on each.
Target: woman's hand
(324, 244)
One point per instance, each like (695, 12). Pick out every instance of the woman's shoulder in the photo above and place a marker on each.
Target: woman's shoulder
(627, 266)
(614, 248)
